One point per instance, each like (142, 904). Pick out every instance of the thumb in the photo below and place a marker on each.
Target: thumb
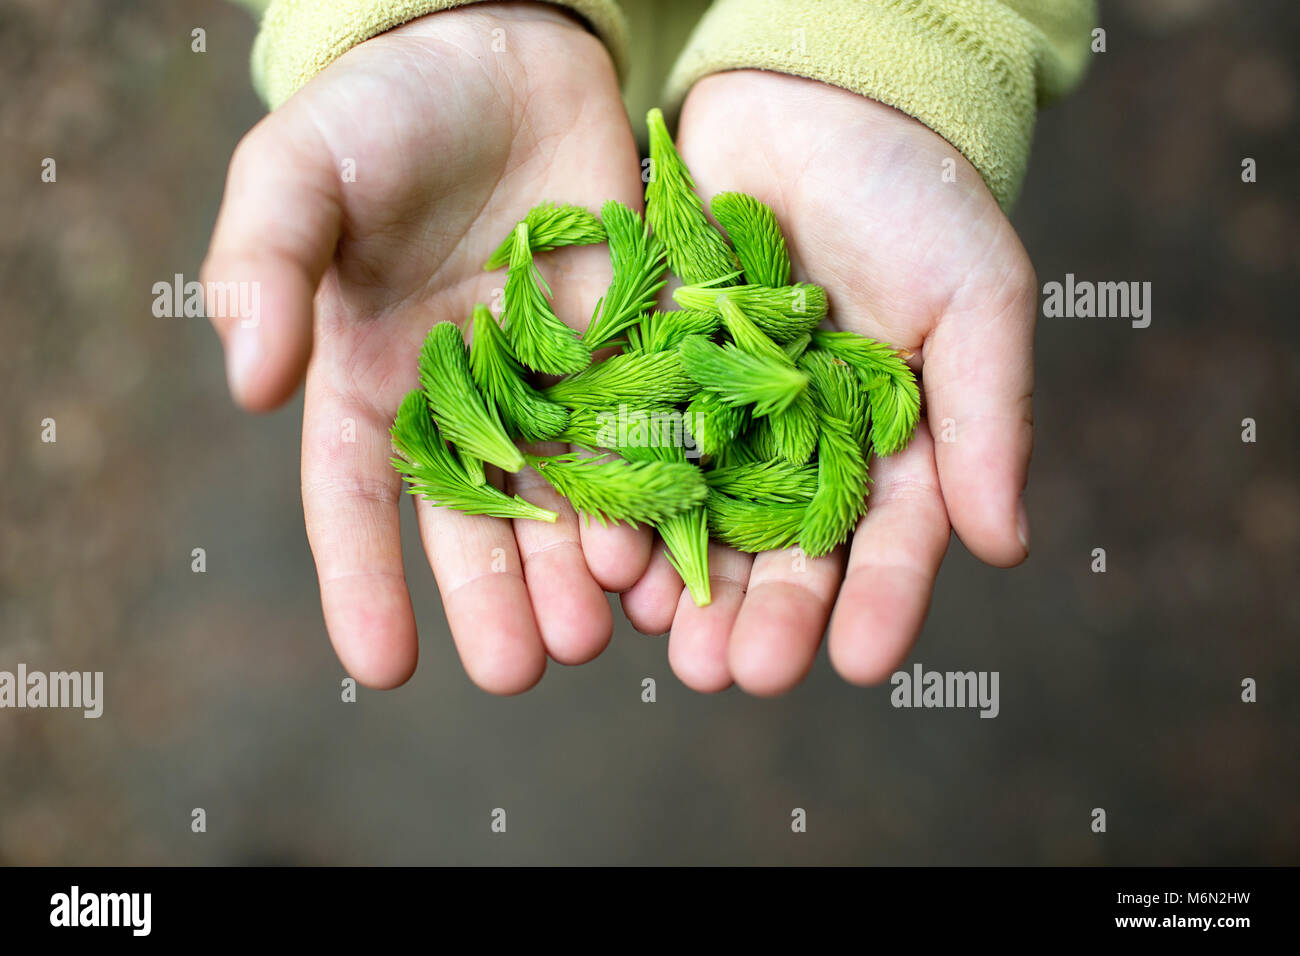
(274, 237)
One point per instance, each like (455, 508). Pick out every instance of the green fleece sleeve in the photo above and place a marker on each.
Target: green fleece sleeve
(974, 71)
(299, 38)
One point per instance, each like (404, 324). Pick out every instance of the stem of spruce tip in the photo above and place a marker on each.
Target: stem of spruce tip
(686, 538)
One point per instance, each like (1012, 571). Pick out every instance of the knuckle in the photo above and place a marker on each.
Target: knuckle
(246, 151)
(332, 493)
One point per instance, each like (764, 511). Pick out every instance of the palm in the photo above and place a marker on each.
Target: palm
(466, 141)
(909, 256)
(450, 141)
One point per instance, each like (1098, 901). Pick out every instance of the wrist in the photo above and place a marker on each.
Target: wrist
(798, 116)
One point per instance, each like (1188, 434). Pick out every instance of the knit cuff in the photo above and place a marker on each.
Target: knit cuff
(299, 38)
(971, 70)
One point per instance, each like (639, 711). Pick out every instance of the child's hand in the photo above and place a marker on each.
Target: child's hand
(909, 257)
(453, 126)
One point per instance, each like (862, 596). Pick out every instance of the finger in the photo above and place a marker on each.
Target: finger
(617, 554)
(893, 561)
(274, 238)
(571, 610)
(651, 602)
(697, 646)
(979, 382)
(781, 622)
(480, 576)
(349, 497)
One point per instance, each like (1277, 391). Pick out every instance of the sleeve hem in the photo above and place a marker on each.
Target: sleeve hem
(298, 38)
(967, 69)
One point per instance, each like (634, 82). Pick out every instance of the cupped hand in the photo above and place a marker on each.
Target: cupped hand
(913, 250)
(364, 209)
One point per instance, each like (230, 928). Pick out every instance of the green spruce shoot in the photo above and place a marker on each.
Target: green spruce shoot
(715, 425)
(655, 377)
(697, 253)
(433, 472)
(754, 233)
(664, 331)
(753, 527)
(784, 313)
(637, 258)
(615, 489)
(615, 427)
(891, 387)
(502, 380)
(540, 340)
(775, 482)
(739, 378)
(782, 415)
(458, 408)
(551, 226)
(795, 429)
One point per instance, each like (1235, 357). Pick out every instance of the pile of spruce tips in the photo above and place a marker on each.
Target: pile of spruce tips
(735, 417)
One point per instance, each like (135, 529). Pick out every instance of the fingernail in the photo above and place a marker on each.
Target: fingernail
(1022, 525)
(242, 355)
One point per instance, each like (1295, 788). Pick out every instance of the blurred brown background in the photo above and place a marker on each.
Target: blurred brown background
(1119, 690)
